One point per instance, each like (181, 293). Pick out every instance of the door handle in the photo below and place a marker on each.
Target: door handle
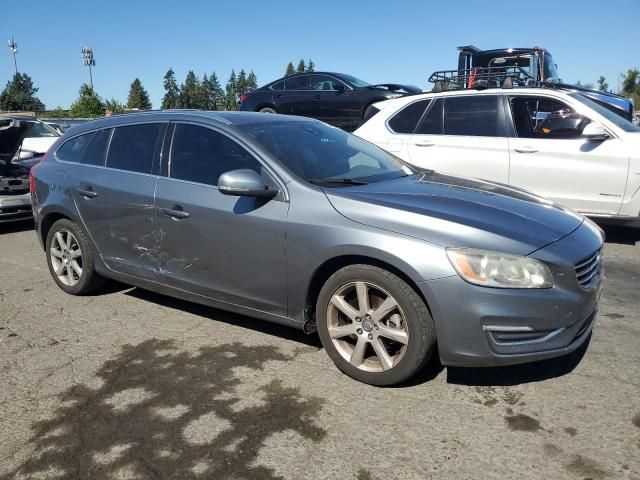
(175, 212)
(279, 95)
(318, 97)
(87, 192)
(525, 150)
(424, 144)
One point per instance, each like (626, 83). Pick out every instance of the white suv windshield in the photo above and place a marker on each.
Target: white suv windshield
(614, 118)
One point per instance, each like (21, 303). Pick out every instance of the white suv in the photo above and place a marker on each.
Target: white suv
(555, 142)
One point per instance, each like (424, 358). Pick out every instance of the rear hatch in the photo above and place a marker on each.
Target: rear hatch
(14, 177)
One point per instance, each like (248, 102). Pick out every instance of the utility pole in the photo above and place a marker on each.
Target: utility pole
(89, 61)
(13, 48)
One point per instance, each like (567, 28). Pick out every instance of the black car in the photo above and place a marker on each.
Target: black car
(335, 98)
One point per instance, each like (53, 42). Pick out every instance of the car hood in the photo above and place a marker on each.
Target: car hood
(457, 212)
(12, 132)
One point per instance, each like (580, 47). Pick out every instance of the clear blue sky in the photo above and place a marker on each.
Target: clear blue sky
(387, 41)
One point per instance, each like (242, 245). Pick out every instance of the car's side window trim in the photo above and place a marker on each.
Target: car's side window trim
(311, 75)
(284, 194)
(333, 78)
(432, 103)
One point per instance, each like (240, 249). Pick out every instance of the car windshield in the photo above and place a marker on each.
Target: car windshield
(40, 129)
(613, 117)
(322, 154)
(356, 82)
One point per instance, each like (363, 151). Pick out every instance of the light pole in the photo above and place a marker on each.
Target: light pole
(13, 48)
(89, 61)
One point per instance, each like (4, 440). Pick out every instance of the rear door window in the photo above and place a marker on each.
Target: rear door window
(431, 123)
(133, 147)
(303, 82)
(201, 155)
(97, 149)
(73, 150)
(471, 115)
(405, 120)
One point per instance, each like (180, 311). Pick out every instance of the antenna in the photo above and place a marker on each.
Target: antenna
(13, 48)
(89, 61)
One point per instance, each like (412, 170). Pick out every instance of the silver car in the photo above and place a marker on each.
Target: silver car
(292, 221)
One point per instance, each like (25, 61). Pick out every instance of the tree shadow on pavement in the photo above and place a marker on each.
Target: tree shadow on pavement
(259, 325)
(518, 374)
(166, 413)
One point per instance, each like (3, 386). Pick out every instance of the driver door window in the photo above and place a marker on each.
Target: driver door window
(540, 117)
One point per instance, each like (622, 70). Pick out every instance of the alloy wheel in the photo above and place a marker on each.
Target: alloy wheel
(367, 326)
(66, 257)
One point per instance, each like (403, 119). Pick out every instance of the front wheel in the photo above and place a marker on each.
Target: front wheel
(373, 325)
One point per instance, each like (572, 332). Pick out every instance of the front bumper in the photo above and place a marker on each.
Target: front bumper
(480, 326)
(15, 207)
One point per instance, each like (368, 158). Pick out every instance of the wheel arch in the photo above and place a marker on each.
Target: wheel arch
(47, 221)
(331, 266)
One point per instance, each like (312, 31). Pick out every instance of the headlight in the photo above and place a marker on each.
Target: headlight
(493, 269)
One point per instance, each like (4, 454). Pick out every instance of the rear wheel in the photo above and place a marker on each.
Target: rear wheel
(267, 110)
(373, 325)
(70, 258)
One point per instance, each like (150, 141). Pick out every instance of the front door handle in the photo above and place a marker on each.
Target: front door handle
(318, 97)
(175, 212)
(424, 144)
(525, 150)
(87, 192)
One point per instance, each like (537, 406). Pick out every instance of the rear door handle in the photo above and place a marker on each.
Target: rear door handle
(87, 192)
(525, 150)
(175, 212)
(424, 144)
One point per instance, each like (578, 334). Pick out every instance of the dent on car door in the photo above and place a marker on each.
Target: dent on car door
(229, 248)
(113, 186)
(463, 135)
(550, 156)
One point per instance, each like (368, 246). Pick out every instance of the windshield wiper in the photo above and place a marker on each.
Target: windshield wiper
(337, 181)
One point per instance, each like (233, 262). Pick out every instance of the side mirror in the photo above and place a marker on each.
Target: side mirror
(244, 183)
(595, 132)
(339, 87)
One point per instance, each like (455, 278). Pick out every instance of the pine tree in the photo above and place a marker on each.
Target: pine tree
(190, 94)
(89, 104)
(241, 82)
(114, 106)
(301, 66)
(172, 92)
(19, 95)
(231, 96)
(311, 67)
(213, 93)
(252, 81)
(603, 86)
(138, 97)
(290, 70)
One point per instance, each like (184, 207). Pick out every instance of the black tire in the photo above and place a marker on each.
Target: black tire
(267, 110)
(420, 327)
(90, 280)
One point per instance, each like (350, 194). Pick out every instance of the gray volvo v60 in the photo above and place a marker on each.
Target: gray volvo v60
(292, 221)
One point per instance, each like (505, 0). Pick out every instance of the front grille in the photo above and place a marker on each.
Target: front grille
(589, 270)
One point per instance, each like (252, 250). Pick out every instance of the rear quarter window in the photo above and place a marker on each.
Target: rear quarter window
(73, 149)
(405, 120)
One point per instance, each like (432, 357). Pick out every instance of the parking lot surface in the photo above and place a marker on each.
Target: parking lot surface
(130, 384)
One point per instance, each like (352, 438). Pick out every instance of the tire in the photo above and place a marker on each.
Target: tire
(402, 326)
(67, 248)
(267, 110)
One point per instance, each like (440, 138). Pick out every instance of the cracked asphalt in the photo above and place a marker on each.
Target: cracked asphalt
(128, 384)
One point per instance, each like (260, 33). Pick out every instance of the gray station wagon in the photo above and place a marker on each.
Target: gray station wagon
(292, 221)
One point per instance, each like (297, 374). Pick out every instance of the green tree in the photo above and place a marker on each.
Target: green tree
(114, 106)
(171, 91)
(588, 85)
(20, 95)
(190, 91)
(311, 67)
(631, 85)
(138, 96)
(603, 86)
(89, 104)
(252, 81)
(231, 94)
(214, 95)
(290, 70)
(301, 66)
(241, 82)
